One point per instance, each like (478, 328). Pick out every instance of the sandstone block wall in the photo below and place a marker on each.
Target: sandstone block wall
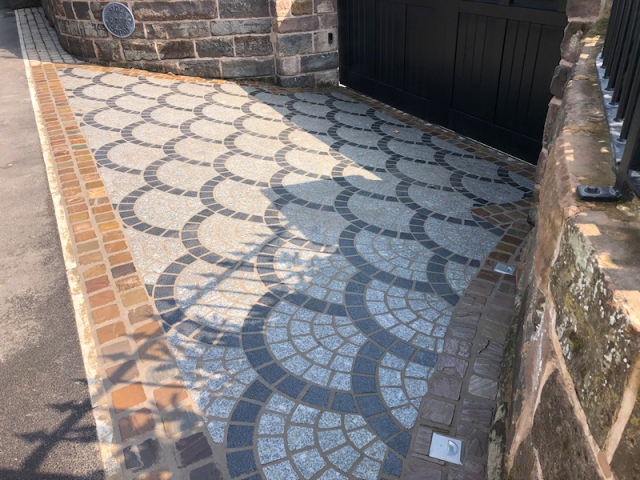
(570, 384)
(291, 42)
(582, 16)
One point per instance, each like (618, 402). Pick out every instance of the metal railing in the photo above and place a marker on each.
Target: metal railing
(619, 68)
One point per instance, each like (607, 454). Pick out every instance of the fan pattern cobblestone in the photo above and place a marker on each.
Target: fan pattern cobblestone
(305, 252)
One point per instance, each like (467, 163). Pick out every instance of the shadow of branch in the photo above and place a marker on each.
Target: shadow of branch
(6, 474)
(45, 441)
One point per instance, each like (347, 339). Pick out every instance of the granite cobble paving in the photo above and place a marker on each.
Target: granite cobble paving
(306, 277)
(319, 265)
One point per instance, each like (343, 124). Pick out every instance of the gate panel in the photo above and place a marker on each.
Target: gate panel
(422, 65)
(517, 75)
(362, 37)
(390, 36)
(478, 62)
(391, 50)
(482, 69)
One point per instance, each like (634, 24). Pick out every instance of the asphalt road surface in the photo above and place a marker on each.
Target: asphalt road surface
(47, 429)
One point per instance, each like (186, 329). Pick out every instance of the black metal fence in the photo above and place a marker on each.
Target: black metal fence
(621, 60)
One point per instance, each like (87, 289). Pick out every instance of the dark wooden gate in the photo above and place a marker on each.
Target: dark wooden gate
(482, 69)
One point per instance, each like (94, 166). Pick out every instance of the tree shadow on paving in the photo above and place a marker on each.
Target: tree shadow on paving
(44, 442)
(24, 475)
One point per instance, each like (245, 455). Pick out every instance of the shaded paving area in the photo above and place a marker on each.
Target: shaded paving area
(307, 254)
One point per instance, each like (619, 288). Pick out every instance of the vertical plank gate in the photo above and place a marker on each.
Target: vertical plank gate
(481, 68)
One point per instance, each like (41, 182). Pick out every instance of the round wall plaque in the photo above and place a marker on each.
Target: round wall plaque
(118, 19)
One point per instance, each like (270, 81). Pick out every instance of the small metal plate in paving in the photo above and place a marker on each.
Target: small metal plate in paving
(504, 268)
(118, 19)
(446, 448)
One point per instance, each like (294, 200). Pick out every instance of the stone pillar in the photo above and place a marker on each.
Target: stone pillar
(306, 40)
(203, 38)
(292, 42)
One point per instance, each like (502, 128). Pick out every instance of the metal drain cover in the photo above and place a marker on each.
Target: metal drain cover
(504, 268)
(446, 448)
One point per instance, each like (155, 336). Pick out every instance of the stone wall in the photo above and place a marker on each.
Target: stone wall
(582, 16)
(306, 36)
(569, 389)
(292, 42)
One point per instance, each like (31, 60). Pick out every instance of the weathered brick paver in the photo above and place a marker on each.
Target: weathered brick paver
(284, 283)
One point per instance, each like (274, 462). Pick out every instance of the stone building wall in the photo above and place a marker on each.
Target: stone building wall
(306, 37)
(569, 389)
(292, 42)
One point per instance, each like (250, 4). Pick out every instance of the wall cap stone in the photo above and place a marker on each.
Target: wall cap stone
(584, 148)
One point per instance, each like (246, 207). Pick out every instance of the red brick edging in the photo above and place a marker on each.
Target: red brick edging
(147, 402)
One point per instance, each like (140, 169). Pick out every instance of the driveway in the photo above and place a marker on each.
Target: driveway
(324, 267)
(307, 249)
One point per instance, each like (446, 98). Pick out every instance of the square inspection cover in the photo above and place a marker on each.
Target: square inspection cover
(446, 448)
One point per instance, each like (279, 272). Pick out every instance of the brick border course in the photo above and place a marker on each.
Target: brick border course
(463, 390)
(124, 326)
